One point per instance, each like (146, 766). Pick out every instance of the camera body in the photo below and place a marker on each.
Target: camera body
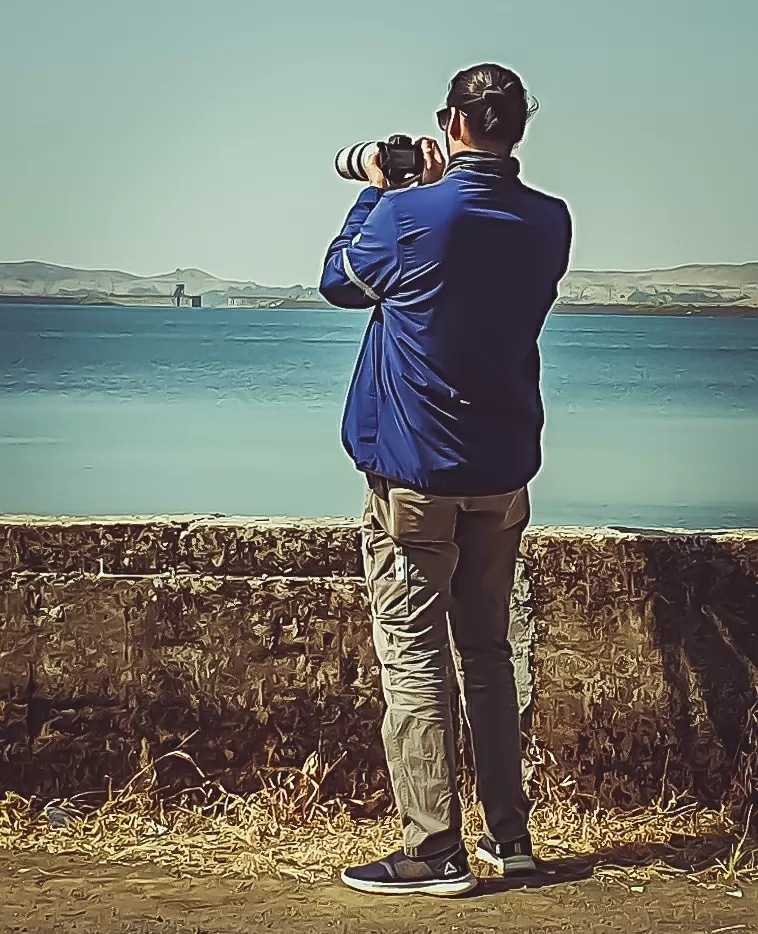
(399, 159)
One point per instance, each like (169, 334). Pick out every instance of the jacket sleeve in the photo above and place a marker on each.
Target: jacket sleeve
(362, 264)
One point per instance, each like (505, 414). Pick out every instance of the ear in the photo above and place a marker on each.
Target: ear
(455, 126)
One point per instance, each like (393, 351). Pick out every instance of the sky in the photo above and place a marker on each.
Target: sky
(154, 134)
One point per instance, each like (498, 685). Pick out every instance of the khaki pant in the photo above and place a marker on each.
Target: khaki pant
(442, 567)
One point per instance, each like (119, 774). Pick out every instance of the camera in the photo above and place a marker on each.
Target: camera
(399, 159)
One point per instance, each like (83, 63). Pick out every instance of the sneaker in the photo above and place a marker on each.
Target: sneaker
(398, 874)
(508, 858)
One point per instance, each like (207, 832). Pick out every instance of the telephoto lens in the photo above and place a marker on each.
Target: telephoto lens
(400, 159)
(351, 161)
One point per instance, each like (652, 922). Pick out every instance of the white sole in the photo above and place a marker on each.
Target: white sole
(441, 888)
(511, 865)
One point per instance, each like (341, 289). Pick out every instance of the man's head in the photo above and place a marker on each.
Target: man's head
(487, 108)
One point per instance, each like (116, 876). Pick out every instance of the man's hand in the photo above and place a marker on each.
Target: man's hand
(376, 178)
(434, 161)
(434, 167)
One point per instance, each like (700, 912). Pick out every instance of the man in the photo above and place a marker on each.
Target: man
(444, 417)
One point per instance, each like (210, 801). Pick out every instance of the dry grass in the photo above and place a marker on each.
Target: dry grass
(287, 830)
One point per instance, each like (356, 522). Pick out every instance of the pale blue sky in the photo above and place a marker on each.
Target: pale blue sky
(150, 134)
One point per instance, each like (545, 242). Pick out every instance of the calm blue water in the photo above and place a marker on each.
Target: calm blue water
(110, 411)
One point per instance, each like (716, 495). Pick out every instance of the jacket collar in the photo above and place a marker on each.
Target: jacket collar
(484, 163)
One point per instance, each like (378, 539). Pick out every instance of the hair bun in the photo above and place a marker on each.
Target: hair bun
(495, 101)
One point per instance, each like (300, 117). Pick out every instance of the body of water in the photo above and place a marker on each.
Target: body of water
(652, 422)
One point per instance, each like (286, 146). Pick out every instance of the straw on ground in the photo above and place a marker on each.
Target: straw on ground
(288, 830)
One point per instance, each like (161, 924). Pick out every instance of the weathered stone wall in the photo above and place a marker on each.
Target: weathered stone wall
(637, 653)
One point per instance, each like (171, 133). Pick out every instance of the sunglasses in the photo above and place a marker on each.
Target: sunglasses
(443, 117)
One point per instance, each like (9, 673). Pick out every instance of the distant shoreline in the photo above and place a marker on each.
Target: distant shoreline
(660, 311)
(711, 290)
(570, 308)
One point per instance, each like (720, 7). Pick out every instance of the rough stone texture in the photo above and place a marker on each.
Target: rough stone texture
(265, 670)
(637, 653)
(646, 658)
(228, 546)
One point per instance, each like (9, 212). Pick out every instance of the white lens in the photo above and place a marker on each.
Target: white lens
(351, 161)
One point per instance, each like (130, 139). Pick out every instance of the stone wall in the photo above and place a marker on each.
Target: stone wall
(636, 653)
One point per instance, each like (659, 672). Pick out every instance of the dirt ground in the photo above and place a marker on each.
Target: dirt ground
(41, 893)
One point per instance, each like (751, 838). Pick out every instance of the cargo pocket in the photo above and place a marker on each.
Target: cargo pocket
(389, 583)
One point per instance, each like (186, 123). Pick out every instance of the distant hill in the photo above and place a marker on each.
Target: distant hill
(695, 285)
(48, 280)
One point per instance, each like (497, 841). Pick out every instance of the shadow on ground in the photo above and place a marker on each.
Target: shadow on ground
(686, 855)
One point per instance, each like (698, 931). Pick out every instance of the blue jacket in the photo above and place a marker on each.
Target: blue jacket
(445, 397)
